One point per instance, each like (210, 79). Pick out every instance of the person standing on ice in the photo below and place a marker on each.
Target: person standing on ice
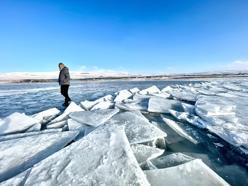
(64, 82)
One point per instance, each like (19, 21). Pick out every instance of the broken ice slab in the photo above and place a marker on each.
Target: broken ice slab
(46, 115)
(170, 160)
(192, 119)
(17, 180)
(103, 157)
(56, 125)
(82, 128)
(161, 105)
(144, 152)
(87, 105)
(103, 105)
(139, 104)
(122, 95)
(73, 107)
(16, 122)
(138, 129)
(134, 90)
(36, 127)
(179, 130)
(20, 154)
(93, 118)
(26, 134)
(193, 173)
(233, 136)
(184, 95)
(151, 90)
(188, 108)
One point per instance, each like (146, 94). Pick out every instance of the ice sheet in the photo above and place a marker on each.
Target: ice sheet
(93, 118)
(16, 122)
(103, 157)
(20, 154)
(193, 173)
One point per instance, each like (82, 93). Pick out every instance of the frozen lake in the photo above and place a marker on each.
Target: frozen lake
(31, 98)
(215, 131)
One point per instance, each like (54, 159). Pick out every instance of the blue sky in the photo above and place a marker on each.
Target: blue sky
(136, 36)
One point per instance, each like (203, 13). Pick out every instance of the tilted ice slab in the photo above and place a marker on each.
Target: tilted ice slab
(161, 105)
(179, 130)
(17, 180)
(193, 173)
(138, 104)
(122, 95)
(170, 160)
(151, 90)
(103, 105)
(26, 134)
(138, 129)
(192, 119)
(82, 128)
(103, 157)
(144, 152)
(184, 95)
(93, 118)
(134, 90)
(87, 105)
(73, 107)
(20, 154)
(46, 115)
(16, 122)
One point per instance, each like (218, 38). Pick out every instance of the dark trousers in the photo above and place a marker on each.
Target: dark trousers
(64, 91)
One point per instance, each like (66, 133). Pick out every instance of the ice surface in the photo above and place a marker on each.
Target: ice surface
(17, 180)
(138, 129)
(103, 157)
(26, 134)
(134, 90)
(188, 108)
(192, 119)
(87, 105)
(138, 104)
(151, 90)
(179, 130)
(16, 122)
(73, 107)
(103, 105)
(46, 115)
(170, 160)
(191, 173)
(161, 105)
(20, 154)
(93, 118)
(56, 125)
(122, 95)
(144, 152)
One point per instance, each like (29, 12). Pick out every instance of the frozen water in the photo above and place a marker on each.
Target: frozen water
(103, 105)
(122, 95)
(137, 128)
(17, 180)
(179, 130)
(137, 104)
(46, 115)
(144, 152)
(20, 154)
(161, 105)
(73, 107)
(193, 173)
(87, 105)
(170, 160)
(93, 118)
(16, 122)
(103, 157)
(134, 90)
(151, 90)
